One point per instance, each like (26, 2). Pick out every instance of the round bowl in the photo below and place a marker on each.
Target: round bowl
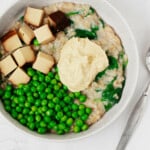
(112, 17)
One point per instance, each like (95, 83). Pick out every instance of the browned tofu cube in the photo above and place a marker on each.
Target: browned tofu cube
(26, 34)
(58, 21)
(7, 65)
(19, 77)
(24, 55)
(44, 34)
(43, 63)
(11, 41)
(33, 16)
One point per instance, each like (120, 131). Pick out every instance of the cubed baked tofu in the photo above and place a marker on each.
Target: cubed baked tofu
(33, 16)
(26, 34)
(19, 77)
(43, 63)
(44, 34)
(11, 41)
(24, 55)
(58, 21)
(7, 65)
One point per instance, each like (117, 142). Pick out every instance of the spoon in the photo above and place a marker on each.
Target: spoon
(136, 113)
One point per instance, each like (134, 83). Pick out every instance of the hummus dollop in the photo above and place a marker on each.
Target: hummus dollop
(80, 61)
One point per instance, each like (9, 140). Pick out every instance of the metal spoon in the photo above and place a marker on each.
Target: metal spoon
(136, 114)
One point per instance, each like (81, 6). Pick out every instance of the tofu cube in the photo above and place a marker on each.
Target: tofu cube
(26, 34)
(11, 41)
(7, 65)
(24, 55)
(43, 63)
(34, 16)
(44, 34)
(19, 77)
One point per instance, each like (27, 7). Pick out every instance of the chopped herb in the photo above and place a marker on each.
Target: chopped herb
(72, 13)
(85, 34)
(102, 22)
(98, 90)
(94, 28)
(125, 63)
(90, 12)
(125, 60)
(108, 95)
(113, 63)
(100, 74)
(21, 18)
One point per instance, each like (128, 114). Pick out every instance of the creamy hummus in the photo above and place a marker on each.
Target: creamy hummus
(80, 61)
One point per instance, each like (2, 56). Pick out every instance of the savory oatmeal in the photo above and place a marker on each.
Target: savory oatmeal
(62, 68)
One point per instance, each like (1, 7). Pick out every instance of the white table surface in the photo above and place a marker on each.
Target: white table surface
(137, 15)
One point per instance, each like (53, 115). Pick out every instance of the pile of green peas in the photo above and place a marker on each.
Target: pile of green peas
(46, 105)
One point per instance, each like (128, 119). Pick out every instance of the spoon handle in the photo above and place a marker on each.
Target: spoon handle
(133, 120)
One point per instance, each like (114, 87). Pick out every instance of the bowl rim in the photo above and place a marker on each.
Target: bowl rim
(120, 110)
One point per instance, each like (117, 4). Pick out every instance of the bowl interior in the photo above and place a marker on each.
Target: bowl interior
(112, 17)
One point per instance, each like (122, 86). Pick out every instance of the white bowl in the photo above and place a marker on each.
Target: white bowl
(112, 17)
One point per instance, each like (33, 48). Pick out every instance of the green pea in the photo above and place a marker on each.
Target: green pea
(38, 118)
(21, 99)
(51, 105)
(44, 102)
(41, 78)
(42, 124)
(8, 87)
(30, 99)
(33, 89)
(49, 112)
(47, 119)
(37, 102)
(20, 116)
(47, 79)
(64, 118)
(26, 88)
(41, 130)
(60, 132)
(30, 72)
(59, 115)
(30, 119)
(81, 107)
(56, 87)
(77, 94)
(51, 124)
(57, 77)
(53, 81)
(84, 127)
(43, 95)
(75, 106)
(41, 87)
(69, 114)
(44, 108)
(82, 98)
(84, 117)
(31, 126)
(48, 90)
(65, 87)
(36, 95)
(57, 107)
(76, 129)
(6, 102)
(51, 75)
(81, 112)
(8, 108)
(56, 100)
(75, 115)
(67, 99)
(71, 95)
(34, 108)
(50, 96)
(14, 113)
(66, 109)
(35, 77)
(88, 110)
(25, 111)
(36, 42)
(18, 109)
(79, 123)
(61, 126)
(7, 95)
(27, 104)
(69, 121)
(22, 121)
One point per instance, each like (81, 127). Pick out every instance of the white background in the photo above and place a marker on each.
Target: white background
(137, 15)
